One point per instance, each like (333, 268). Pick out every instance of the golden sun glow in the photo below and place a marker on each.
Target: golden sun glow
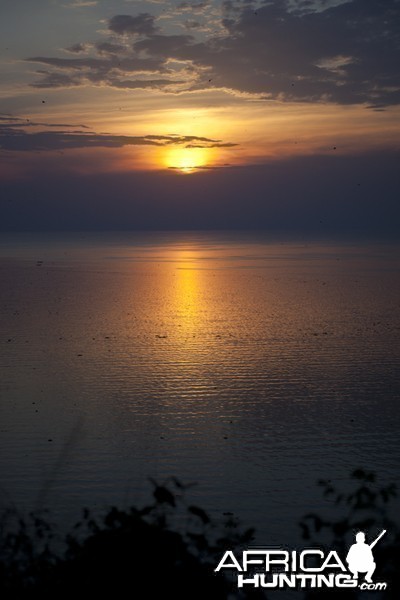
(187, 160)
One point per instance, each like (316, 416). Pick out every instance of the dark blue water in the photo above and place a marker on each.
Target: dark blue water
(250, 366)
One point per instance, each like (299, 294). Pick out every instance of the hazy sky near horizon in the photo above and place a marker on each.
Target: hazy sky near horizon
(281, 114)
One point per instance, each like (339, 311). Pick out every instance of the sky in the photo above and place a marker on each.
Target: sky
(274, 114)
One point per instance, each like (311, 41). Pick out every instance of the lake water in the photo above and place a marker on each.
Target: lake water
(249, 365)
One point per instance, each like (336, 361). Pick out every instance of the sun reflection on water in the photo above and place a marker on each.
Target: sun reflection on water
(188, 297)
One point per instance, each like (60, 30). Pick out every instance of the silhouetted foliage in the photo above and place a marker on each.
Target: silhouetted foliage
(168, 548)
(364, 508)
(171, 548)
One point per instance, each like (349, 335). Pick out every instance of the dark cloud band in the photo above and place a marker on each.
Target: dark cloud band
(14, 137)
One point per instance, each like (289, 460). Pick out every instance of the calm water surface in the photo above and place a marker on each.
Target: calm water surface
(250, 366)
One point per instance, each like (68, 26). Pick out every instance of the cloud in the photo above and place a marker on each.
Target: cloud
(281, 53)
(338, 51)
(73, 63)
(126, 24)
(9, 121)
(81, 3)
(212, 145)
(14, 137)
(191, 24)
(168, 46)
(336, 64)
(310, 6)
(110, 48)
(110, 70)
(193, 7)
(78, 48)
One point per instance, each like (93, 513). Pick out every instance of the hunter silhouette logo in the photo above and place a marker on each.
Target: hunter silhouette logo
(360, 558)
(307, 568)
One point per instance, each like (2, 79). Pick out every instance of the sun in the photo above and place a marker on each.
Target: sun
(187, 160)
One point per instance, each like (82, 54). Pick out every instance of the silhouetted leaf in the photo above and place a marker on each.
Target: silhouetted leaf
(199, 512)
